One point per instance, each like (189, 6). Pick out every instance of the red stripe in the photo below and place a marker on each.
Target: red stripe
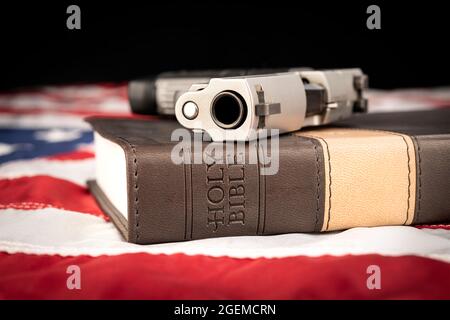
(86, 111)
(81, 113)
(434, 226)
(74, 155)
(37, 192)
(74, 92)
(145, 276)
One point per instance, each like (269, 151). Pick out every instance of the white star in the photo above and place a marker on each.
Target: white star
(6, 149)
(57, 135)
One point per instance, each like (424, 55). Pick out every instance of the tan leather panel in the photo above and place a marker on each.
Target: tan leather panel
(370, 177)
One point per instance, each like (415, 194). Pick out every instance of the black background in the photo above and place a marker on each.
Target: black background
(127, 39)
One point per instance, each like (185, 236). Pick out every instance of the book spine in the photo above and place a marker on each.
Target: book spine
(176, 202)
(325, 180)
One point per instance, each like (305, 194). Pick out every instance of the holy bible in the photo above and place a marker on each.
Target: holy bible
(370, 170)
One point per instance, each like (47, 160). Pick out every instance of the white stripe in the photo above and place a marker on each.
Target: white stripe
(30, 102)
(76, 171)
(70, 97)
(47, 120)
(408, 99)
(65, 233)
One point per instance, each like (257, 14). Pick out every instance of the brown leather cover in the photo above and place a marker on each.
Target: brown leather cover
(170, 202)
(430, 132)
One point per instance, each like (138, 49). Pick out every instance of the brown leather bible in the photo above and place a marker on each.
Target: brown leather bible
(370, 170)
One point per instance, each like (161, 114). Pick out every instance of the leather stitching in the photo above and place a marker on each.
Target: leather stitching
(409, 163)
(420, 179)
(185, 201)
(409, 172)
(259, 188)
(317, 185)
(192, 198)
(263, 179)
(329, 176)
(135, 186)
(329, 185)
(136, 189)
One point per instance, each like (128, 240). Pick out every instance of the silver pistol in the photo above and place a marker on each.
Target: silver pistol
(157, 95)
(237, 108)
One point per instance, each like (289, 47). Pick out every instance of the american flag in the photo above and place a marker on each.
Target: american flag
(49, 223)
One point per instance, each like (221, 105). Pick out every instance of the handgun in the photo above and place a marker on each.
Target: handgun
(238, 108)
(157, 95)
